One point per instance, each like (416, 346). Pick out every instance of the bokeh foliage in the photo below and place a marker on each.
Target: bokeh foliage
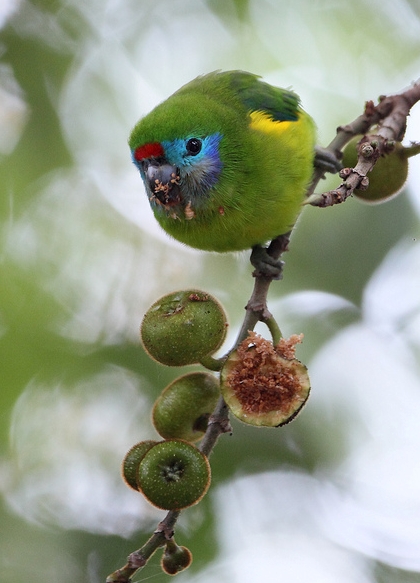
(81, 259)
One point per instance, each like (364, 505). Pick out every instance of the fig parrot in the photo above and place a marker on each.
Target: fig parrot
(226, 161)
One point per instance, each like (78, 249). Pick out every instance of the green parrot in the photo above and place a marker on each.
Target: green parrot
(226, 161)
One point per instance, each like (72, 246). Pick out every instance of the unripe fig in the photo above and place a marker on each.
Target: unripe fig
(175, 558)
(173, 475)
(389, 174)
(183, 327)
(131, 462)
(264, 385)
(183, 408)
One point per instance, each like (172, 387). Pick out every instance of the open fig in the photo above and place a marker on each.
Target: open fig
(264, 385)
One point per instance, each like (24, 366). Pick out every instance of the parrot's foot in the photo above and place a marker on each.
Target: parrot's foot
(326, 160)
(265, 265)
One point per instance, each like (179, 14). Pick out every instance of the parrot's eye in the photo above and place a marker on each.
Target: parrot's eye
(193, 146)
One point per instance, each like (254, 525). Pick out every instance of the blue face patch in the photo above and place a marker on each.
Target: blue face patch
(200, 170)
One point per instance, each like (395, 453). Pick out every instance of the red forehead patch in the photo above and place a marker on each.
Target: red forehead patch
(154, 150)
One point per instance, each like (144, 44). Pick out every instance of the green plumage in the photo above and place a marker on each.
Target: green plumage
(249, 187)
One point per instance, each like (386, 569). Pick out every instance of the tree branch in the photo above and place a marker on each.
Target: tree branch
(390, 117)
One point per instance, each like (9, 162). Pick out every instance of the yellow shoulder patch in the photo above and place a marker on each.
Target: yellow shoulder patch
(261, 122)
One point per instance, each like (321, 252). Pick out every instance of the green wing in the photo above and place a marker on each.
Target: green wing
(278, 104)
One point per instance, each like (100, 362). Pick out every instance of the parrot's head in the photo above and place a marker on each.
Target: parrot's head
(179, 173)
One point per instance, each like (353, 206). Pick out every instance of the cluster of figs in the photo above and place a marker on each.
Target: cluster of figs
(180, 328)
(261, 385)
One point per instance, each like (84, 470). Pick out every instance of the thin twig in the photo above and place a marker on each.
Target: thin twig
(138, 559)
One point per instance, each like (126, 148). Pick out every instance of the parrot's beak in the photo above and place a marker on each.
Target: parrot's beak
(162, 182)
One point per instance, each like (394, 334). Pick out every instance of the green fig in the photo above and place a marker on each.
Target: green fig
(183, 327)
(388, 176)
(175, 558)
(264, 385)
(184, 407)
(131, 462)
(173, 475)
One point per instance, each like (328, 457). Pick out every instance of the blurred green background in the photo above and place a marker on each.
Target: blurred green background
(335, 496)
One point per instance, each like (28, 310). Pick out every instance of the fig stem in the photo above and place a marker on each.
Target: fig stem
(412, 150)
(212, 363)
(275, 331)
(171, 546)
